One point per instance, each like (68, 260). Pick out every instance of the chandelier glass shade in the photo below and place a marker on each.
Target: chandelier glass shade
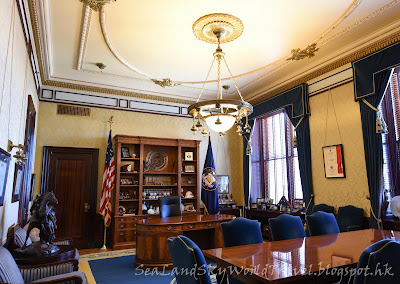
(219, 114)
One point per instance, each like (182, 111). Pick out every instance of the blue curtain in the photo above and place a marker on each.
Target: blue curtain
(295, 103)
(373, 145)
(371, 74)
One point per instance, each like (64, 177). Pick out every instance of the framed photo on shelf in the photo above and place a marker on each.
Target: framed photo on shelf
(125, 152)
(18, 174)
(188, 156)
(4, 165)
(126, 181)
(223, 184)
(259, 200)
(33, 181)
(189, 168)
(333, 161)
(253, 206)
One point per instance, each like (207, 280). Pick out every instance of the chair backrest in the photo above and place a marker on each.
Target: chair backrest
(376, 257)
(286, 227)
(322, 207)
(322, 223)
(350, 218)
(9, 271)
(241, 231)
(186, 256)
(170, 206)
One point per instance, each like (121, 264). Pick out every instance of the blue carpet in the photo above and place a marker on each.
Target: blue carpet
(121, 270)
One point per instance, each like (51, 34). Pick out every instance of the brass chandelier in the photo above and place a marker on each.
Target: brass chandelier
(220, 114)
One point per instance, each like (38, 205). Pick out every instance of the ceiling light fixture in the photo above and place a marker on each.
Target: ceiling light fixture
(220, 114)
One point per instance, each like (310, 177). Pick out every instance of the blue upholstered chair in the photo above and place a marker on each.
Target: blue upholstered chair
(186, 255)
(241, 231)
(170, 206)
(376, 257)
(238, 232)
(322, 223)
(349, 218)
(10, 272)
(322, 207)
(286, 227)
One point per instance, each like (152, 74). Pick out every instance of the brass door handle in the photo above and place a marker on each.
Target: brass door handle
(86, 207)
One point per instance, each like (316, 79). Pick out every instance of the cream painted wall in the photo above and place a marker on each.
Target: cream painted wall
(92, 132)
(345, 129)
(13, 100)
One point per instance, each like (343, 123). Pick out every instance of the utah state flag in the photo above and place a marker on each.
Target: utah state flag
(209, 187)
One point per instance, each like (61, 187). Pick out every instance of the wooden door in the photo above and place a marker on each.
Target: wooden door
(71, 173)
(29, 151)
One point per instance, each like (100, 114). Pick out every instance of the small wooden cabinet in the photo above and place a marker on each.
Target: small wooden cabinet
(148, 168)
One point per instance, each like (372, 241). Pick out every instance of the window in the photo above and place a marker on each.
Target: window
(390, 108)
(274, 162)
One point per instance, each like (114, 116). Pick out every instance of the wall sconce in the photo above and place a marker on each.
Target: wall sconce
(19, 155)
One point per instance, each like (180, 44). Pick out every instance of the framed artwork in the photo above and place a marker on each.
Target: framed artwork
(333, 161)
(188, 156)
(4, 165)
(297, 203)
(125, 152)
(18, 175)
(189, 168)
(223, 184)
(33, 181)
(126, 181)
(253, 206)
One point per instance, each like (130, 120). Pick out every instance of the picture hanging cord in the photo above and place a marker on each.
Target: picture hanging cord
(11, 76)
(8, 48)
(326, 119)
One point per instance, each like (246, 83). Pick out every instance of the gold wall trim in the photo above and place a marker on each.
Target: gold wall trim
(330, 67)
(58, 84)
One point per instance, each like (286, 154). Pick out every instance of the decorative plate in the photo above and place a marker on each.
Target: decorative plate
(121, 210)
(157, 160)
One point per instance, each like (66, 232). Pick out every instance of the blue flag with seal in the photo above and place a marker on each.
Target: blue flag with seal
(209, 186)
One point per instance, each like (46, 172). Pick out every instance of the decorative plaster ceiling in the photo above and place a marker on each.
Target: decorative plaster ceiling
(144, 40)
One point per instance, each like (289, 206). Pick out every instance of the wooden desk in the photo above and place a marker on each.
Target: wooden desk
(151, 236)
(65, 254)
(298, 260)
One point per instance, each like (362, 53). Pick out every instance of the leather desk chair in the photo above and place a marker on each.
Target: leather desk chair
(170, 206)
(350, 218)
(322, 207)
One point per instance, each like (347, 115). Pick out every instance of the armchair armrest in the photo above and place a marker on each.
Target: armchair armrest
(73, 277)
(39, 271)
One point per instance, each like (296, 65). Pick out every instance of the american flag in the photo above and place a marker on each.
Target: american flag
(108, 184)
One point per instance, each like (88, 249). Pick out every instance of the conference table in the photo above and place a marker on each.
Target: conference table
(322, 259)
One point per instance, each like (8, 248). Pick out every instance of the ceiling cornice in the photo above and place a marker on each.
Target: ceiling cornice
(330, 67)
(78, 87)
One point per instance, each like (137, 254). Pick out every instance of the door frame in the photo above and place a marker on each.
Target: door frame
(45, 183)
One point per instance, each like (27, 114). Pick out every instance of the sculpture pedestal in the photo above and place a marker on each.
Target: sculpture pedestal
(38, 249)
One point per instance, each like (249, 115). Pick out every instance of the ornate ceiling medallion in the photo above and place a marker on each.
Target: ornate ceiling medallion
(166, 82)
(204, 27)
(96, 4)
(309, 52)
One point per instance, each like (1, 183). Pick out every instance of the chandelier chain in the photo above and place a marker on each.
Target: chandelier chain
(219, 91)
(233, 80)
(205, 81)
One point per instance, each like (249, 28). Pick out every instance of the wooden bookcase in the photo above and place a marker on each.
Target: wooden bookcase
(144, 185)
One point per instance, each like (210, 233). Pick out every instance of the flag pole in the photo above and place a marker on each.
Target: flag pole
(105, 227)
